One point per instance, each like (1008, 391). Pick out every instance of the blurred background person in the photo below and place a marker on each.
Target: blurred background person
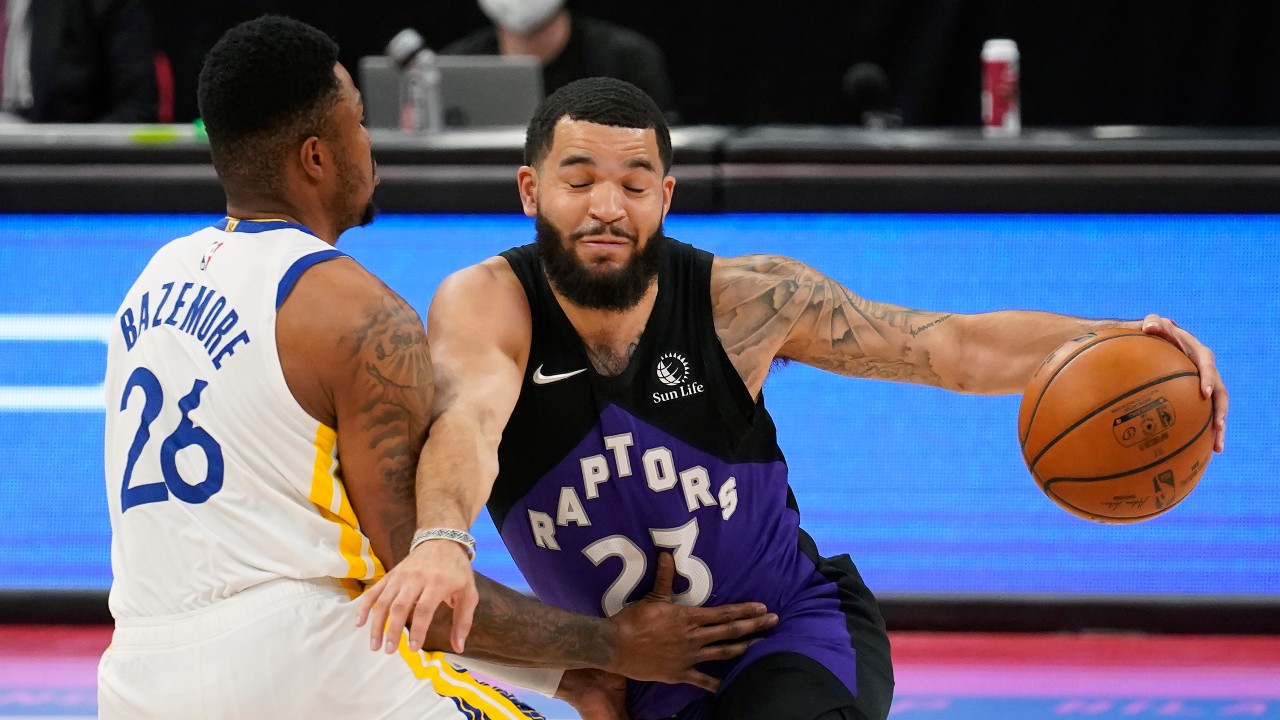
(570, 47)
(78, 61)
(1150, 62)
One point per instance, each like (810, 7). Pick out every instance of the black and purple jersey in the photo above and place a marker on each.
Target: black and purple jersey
(599, 474)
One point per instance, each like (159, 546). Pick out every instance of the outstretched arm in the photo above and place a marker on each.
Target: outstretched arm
(768, 306)
(480, 332)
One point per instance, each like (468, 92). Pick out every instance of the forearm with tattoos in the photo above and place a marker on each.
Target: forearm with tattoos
(768, 306)
(519, 630)
(514, 629)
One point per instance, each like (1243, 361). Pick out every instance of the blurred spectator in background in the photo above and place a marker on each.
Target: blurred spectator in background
(78, 61)
(571, 47)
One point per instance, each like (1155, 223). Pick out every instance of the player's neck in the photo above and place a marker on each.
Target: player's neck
(610, 328)
(546, 43)
(319, 225)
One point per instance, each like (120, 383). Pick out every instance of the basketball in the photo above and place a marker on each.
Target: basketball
(1114, 428)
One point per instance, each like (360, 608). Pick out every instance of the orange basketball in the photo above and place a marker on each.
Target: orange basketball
(1114, 428)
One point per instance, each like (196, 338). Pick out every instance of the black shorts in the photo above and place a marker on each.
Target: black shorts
(790, 686)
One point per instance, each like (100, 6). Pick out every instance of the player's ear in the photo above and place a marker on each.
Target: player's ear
(311, 156)
(527, 180)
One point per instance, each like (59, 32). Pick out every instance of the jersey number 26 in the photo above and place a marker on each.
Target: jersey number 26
(187, 434)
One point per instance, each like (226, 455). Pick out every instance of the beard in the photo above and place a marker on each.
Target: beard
(351, 186)
(596, 289)
(368, 214)
(370, 210)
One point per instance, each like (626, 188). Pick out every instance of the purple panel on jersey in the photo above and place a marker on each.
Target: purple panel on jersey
(587, 534)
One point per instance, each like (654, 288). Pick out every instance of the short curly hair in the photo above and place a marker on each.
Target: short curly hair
(601, 100)
(267, 85)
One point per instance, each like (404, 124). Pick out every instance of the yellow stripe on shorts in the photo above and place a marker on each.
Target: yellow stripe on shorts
(330, 498)
(452, 683)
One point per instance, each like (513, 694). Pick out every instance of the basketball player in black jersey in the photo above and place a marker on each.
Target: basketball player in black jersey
(601, 391)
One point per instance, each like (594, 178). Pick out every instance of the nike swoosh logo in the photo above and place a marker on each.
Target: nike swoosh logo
(540, 379)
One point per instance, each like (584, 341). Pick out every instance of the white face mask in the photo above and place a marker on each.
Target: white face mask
(520, 16)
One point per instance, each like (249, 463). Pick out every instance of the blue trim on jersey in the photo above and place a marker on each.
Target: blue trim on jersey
(300, 266)
(469, 711)
(257, 226)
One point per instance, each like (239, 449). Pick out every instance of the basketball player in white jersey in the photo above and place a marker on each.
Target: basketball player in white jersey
(266, 406)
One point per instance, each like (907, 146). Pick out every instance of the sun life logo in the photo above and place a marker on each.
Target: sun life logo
(672, 369)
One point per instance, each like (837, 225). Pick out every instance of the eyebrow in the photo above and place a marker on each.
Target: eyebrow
(641, 164)
(637, 163)
(571, 160)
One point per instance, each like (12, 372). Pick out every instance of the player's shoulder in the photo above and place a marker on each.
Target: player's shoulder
(756, 266)
(483, 283)
(487, 294)
(341, 295)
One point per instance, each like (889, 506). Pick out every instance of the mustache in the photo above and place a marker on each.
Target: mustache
(602, 229)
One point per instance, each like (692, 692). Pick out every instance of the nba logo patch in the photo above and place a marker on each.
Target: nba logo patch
(208, 255)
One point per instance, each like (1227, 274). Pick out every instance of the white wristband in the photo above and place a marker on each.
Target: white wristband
(462, 537)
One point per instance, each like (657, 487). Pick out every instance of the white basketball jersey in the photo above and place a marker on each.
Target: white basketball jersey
(217, 479)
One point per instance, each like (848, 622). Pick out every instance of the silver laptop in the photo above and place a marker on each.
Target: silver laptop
(478, 91)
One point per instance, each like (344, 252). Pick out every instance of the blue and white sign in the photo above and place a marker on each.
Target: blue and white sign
(924, 488)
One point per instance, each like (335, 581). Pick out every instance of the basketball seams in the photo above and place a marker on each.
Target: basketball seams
(1022, 442)
(1208, 421)
(1085, 418)
(1110, 520)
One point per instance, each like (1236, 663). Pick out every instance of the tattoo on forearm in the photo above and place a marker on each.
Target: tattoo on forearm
(398, 383)
(520, 630)
(770, 305)
(930, 324)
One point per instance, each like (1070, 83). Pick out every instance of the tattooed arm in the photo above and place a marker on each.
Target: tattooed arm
(768, 307)
(355, 355)
(651, 639)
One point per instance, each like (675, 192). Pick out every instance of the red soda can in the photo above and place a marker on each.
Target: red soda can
(1001, 114)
